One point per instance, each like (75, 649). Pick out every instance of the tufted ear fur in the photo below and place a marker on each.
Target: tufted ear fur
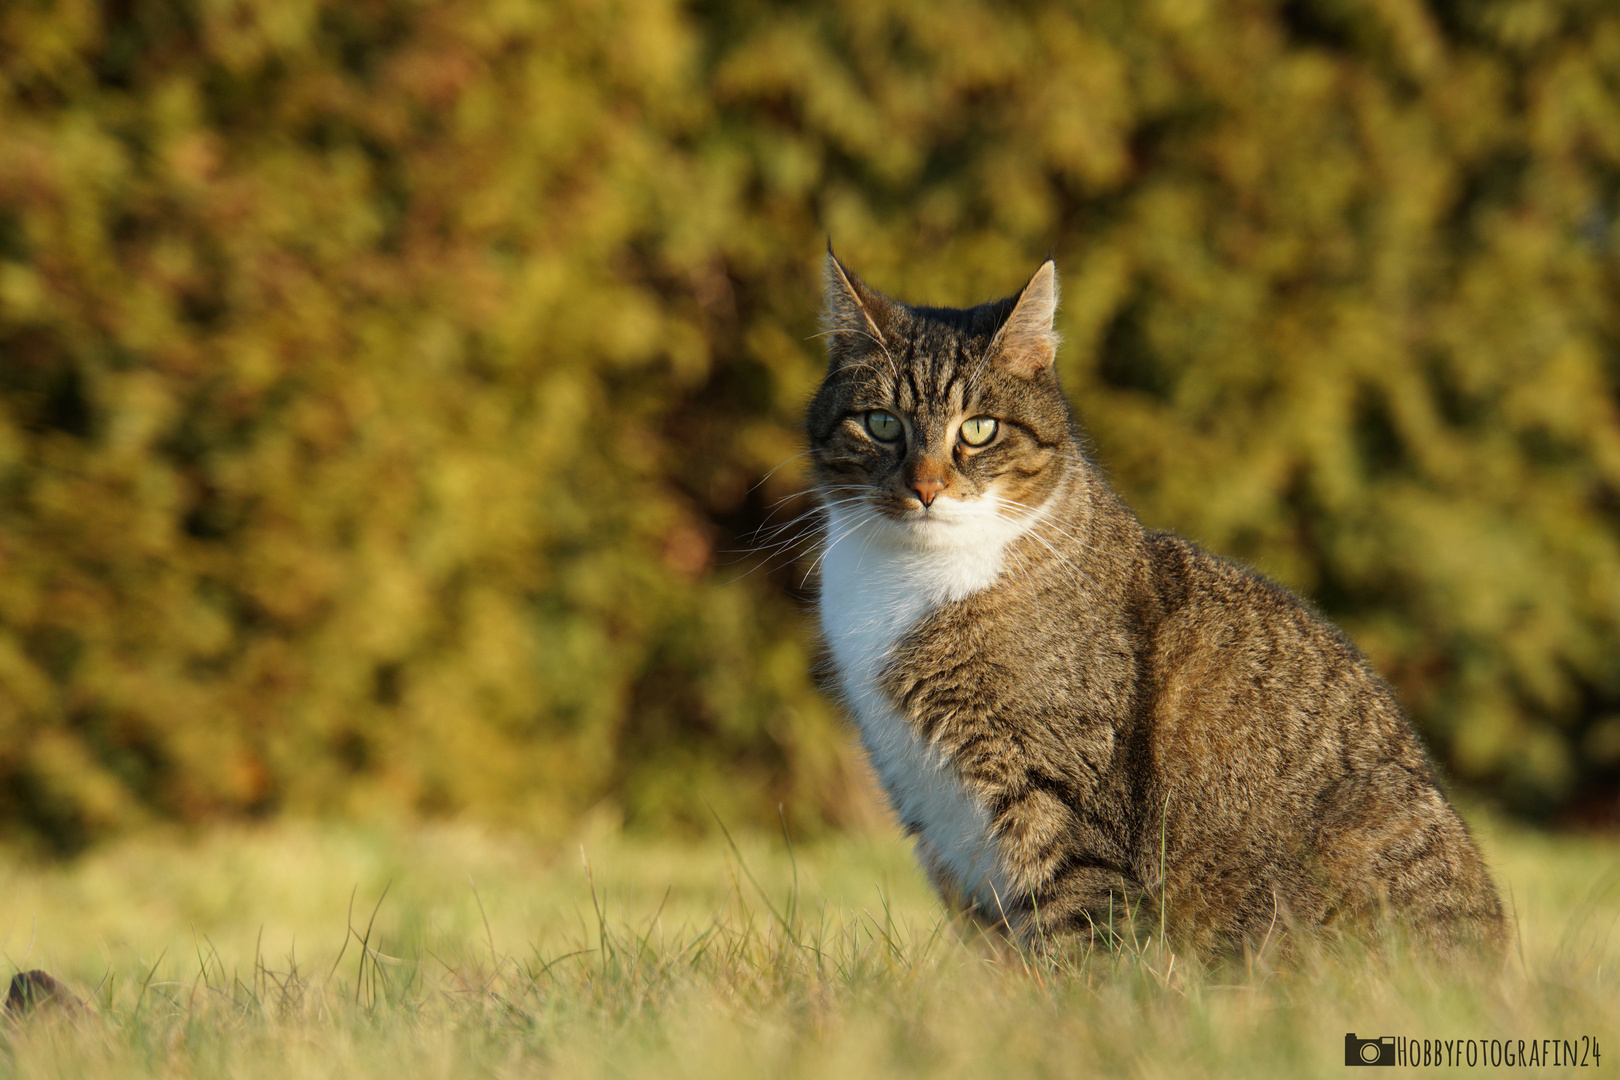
(854, 317)
(1027, 344)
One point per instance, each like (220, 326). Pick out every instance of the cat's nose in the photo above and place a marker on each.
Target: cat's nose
(927, 489)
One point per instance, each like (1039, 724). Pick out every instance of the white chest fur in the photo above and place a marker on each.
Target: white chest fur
(877, 582)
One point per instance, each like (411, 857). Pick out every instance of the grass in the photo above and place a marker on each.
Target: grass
(311, 950)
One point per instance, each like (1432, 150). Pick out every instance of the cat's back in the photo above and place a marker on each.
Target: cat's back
(1246, 675)
(1289, 778)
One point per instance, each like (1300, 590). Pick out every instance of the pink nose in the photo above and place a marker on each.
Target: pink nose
(927, 489)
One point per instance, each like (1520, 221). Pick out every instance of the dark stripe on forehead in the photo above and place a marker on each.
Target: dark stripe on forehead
(943, 367)
(955, 392)
(961, 377)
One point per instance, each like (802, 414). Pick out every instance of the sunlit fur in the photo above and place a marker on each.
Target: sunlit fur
(1073, 715)
(879, 576)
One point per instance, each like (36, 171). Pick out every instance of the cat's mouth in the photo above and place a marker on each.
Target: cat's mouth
(944, 511)
(981, 522)
(926, 520)
(946, 517)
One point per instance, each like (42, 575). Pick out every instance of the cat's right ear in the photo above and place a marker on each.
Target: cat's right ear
(1027, 342)
(854, 318)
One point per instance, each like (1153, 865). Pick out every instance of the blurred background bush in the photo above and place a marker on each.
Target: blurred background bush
(386, 386)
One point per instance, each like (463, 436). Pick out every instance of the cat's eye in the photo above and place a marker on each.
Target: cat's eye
(979, 430)
(884, 426)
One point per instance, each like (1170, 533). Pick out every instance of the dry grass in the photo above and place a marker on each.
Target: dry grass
(226, 955)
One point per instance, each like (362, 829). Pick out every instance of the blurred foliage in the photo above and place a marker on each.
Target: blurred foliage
(383, 383)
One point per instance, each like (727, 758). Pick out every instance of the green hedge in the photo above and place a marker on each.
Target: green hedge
(385, 385)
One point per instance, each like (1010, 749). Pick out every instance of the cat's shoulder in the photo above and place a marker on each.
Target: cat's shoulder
(1195, 586)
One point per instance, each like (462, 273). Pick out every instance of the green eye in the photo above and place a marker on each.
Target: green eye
(884, 426)
(978, 431)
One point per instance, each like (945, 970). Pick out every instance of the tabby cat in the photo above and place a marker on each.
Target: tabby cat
(1073, 715)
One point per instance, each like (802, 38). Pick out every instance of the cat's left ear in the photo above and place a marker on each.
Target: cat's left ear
(1027, 344)
(854, 316)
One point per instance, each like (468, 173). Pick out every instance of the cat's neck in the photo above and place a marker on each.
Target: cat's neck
(868, 549)
(878, 580)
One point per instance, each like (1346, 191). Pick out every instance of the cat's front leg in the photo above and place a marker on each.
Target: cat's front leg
(1058, 884)
(1097, 904)
(938, 871)
(1048, 811)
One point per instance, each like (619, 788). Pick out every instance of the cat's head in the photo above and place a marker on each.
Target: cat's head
(939, 423)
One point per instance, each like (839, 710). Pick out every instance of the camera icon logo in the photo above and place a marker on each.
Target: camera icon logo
(1377, 1051)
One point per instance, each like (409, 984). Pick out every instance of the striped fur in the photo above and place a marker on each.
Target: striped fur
(1074, 715)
